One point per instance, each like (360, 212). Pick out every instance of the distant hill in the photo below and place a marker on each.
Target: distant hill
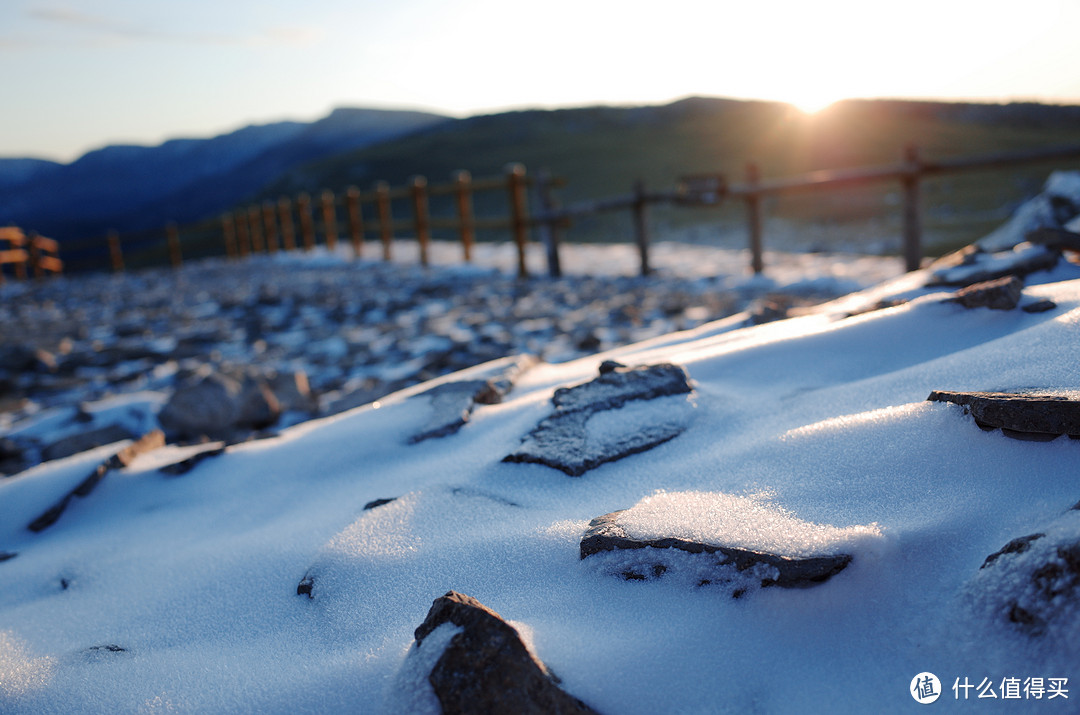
(134, 187)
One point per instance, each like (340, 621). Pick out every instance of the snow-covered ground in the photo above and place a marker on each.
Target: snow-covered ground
(160, 592)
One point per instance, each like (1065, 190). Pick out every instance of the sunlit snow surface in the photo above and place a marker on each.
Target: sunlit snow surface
(193, 579)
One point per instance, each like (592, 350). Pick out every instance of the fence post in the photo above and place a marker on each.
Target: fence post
(641, 226)
(754, 217)
(228, 233)
(912, 209)
(515, 184)
(116, 255)
(463, 194)
(329, 220)
(356, 220)
(307, 226)
(173, 235)
(243, 240)
(288, 230)
(386, 225)
(254, 216)
(269, 227)
(549, 227)
(421, 218)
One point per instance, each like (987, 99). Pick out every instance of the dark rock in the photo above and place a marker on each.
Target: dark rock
(994, 266)
(12, 457)
(83, 441)
(998, 294)
(7, 555)
(186, 465)
(605, 534)
(123, 458)
(207, 408)
(257, 407)
(1028, 416)
(378, 502)
(561, 441)
(1017, 546)
(1033, 581)
(1057, 238)
(486, 668)
(293, 392)
(306, 586)
(1039, 306)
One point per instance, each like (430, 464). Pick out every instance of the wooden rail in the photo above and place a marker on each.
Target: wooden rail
(28, 253)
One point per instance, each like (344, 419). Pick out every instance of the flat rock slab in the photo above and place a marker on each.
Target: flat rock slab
(563, 439)
(83, 441)
(148, 442)
(1028, 416)
(452, 403)
(486, 668)
(998, 294)
(605, 534)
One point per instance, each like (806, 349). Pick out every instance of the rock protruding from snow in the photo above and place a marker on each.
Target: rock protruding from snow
(597, 422)
(452, 403)
(973, 265)
(1033, 582)
(607, 534)
(998, 294)
(187, 464)
(1030, 416)
(1055, 238)
(121, 459)
(486, 667)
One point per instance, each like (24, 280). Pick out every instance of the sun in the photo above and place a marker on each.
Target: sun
(812, 102)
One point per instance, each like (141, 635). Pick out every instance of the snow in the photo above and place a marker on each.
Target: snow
(179, 594)
(745, 522)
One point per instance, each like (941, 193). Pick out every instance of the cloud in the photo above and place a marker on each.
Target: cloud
(102, 27)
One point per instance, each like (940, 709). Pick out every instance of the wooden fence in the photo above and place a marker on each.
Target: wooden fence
(28, 253)
(292, 223)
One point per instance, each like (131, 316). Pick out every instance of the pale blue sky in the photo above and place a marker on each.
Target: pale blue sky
(79, 74)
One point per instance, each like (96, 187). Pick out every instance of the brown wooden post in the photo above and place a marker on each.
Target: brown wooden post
(270, 227)
(386, 220)
(356, 220)
(254, 216)
(329, 220)
(228, 233)
(467, 225)
(421, 216)
(515, 184)
(288, 230)
(34, 252)
(243, 240)
(912, 210)
(754, 217)
(173, 235)
(641, 226)
(116, 255)
(549, 228)
(307, 226)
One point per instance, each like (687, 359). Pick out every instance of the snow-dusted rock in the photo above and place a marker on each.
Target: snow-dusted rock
(486, 667)
(592, 423)
(1033, 582)
(736, 540)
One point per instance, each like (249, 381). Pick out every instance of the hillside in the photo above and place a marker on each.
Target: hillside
(602, 150)
(133, 187)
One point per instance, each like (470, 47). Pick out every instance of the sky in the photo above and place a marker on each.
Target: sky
(81, 74)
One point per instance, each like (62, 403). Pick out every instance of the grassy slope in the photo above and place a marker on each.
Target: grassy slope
(601, 150)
